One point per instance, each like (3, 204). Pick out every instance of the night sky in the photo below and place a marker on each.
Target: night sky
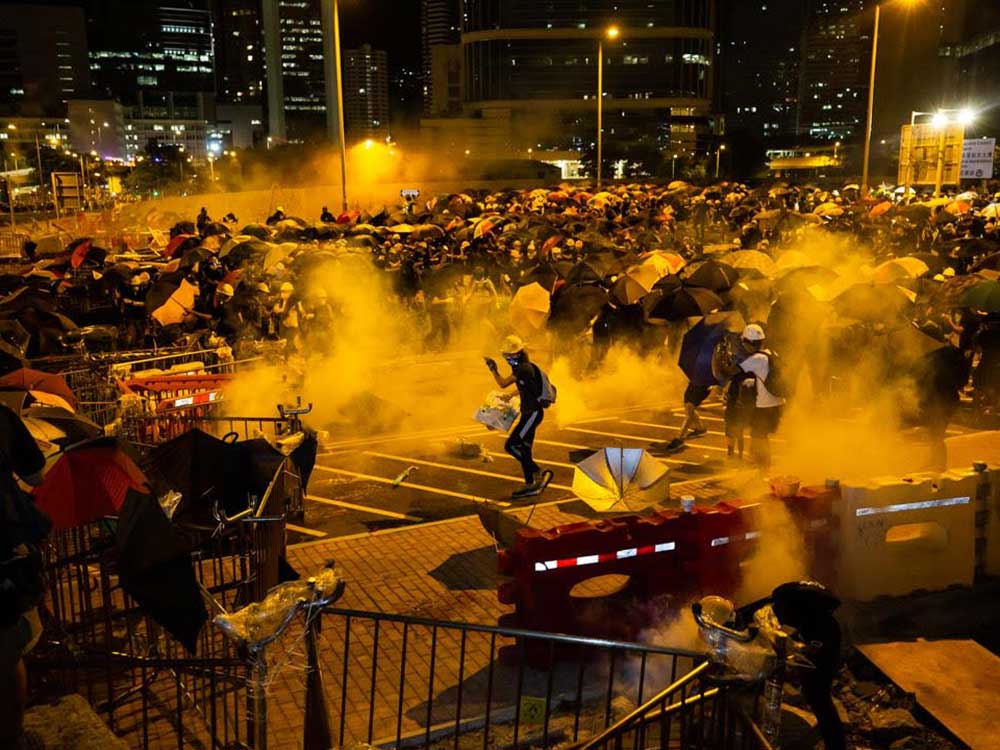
(392, 25)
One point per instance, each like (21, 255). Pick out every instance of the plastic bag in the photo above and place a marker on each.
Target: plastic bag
(498, 412)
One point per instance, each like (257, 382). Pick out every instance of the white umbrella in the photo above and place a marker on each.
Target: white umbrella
(620, 479)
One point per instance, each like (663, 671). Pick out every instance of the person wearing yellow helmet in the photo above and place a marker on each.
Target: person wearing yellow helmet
(536, 393)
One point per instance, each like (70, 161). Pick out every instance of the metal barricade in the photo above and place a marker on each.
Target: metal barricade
(402, 681)
(12, 244)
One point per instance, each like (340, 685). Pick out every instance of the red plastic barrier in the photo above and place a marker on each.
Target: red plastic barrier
(669, 558)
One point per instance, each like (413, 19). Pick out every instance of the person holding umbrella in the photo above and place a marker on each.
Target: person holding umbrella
(536, 394)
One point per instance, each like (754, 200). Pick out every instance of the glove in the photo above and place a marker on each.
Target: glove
(491, 363)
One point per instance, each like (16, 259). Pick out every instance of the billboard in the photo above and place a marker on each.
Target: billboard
(919, 146)
(67, 191)
(977, 158)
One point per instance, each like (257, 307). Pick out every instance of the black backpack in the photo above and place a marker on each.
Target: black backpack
(776, 382)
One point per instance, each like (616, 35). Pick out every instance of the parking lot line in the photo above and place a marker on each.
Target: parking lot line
(363, 508)
(665, 427)
(304, 530)
(411, 485)
(434, 464)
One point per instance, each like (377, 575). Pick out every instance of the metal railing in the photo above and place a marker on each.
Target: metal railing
(408, 681)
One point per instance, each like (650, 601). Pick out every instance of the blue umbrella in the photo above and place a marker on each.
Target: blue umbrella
(698, 346)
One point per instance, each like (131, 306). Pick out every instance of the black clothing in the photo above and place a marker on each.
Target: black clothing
(521, 440)
(19, 453)
(529, 386)
(326, 217)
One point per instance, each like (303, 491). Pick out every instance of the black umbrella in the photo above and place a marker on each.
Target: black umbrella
(711, 274)
(573, 307)
(871, 303)
(194, 256)
(685, 302)
(972, 247)
(259, 231)
(245, 251)
(14, 336)
(155, 569)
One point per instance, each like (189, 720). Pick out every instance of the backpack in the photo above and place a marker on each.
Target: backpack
(776, 382)
(549, 393)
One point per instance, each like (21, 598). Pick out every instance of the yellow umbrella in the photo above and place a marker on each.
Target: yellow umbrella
(529, 310)
(177, 306)
(664, 263)
(829, 209)
(899, 268)
(751, 259)
(621, 479)
(935, 202)
(793, 259)
(635, 283)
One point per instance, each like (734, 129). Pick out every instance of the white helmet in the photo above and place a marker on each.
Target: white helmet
(753, 332)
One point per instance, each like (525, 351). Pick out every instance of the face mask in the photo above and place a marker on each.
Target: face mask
(513, 360)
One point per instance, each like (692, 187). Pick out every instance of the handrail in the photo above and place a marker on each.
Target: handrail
(626, 720)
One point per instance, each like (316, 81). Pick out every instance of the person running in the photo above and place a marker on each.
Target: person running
(767, 406)
(692, 427)
(530, 381)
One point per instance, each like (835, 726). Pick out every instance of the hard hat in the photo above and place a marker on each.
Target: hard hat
(753, 332)
(279, 208)
(512, 345)
(715, 609)
(225, 290)
(263, 287)
(286, 287)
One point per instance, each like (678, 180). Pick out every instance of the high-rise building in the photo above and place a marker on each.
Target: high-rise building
(300, 98)
(760, 56)
(835, 65)
(439, 25)
(239, 51)
(43, 58)
(163, 66)
(969, 58)
(366, 92)
(534, 64)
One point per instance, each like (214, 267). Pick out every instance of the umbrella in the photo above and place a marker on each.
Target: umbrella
(698, 345)
(194, 256)
(829, 209)
(620, 479)
(180, 243)
(791, 260)
(681, 303)
(243, 252)
(530, 308)
(711, 274)
(898, 269)
(544, 274)
(277, 254)
(874, 304)
(14, 336)
(170, 300)
(45, 387)
(753, 260)
(200, 466)
(87, 482)
(156, 569)
(592, 270)
(664, 263)
(984, 297)
(635, 284)
(992, 211)
(573, 307)
(54, 424)
(880, 209)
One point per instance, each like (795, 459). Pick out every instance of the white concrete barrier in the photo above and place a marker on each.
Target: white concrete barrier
(899, 535)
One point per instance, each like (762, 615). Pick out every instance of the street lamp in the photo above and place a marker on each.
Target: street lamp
(612, 33)
(871, 94)
(340, 103)
(718, 158)
(673, 167)
(940, 121)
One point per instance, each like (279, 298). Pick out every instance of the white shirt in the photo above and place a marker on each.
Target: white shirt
(760, 366)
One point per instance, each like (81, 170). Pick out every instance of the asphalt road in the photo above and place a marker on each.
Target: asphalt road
(352, 490)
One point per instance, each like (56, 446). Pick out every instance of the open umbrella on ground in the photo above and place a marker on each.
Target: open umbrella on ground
(711, 274)
(171, 299)
(156, 569)
(753, 260)
(698, 345)
(530, 309)
(620, 480)
(88, 482)
(681, 303)
(58, 426)
(44, 387)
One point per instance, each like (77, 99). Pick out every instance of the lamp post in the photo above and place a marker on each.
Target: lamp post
(871, 97)
(940, 122)
(611, 33)
(718, 158)
(340, 103)
(673, 167)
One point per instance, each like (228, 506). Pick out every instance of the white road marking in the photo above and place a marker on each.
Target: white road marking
(363, 508)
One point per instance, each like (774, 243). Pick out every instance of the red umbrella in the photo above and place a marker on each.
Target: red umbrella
(36, 381)
(80, 254)
(348, 217)
(175, 243)
(87, 482)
